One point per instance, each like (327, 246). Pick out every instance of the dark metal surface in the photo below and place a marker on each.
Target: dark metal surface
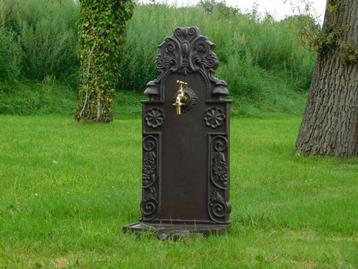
(186, 155)
(174, 231)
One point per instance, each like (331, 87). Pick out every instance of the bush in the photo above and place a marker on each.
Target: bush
(250, 50)
(10, 56)
(262, 60)
(47, 33)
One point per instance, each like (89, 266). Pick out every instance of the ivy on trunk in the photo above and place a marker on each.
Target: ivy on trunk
(102, 33)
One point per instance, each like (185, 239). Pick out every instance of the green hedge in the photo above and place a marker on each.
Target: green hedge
(263, 61)
(248, 47)
(10, 56)
(47, 33)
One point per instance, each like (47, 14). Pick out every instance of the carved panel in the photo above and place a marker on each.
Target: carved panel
(154, 117)
(214, 117)
(150, 197)
(219, 167)
(218, 206)
(187, 51)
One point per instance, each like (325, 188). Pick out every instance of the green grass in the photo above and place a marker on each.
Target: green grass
(67, 189)
(51, 97)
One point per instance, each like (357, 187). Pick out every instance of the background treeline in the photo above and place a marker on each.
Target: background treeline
(264, 61)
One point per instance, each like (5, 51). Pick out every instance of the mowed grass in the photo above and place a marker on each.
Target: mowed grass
(66, 190)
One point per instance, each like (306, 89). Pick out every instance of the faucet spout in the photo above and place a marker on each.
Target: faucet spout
(181, 98)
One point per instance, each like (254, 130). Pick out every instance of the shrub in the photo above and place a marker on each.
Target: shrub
(263, 60)
(47, 33)
(10, 56)
(250, 50)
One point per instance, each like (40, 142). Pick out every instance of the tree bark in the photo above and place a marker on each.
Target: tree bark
(330, 123)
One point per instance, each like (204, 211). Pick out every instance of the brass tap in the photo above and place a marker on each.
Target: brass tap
(181, 97)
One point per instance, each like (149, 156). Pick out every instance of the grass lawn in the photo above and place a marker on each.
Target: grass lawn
(67, 189)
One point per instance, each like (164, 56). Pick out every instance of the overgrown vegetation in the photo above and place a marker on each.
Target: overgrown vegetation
(263, 60)
(10, 56)
(46, 31)
(246, 46)
(330, 38)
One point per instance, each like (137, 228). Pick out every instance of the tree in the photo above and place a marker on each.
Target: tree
(330, 123)
(102, 32)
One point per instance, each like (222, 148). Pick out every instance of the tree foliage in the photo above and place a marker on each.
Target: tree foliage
(102, 33)
(330, 37)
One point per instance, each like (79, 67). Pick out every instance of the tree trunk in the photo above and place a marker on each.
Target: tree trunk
(102, 32)
(330, 123)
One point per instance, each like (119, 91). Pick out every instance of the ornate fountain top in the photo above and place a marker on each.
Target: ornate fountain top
(185, 52)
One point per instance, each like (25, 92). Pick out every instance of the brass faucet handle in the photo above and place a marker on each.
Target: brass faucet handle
(182, 83)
